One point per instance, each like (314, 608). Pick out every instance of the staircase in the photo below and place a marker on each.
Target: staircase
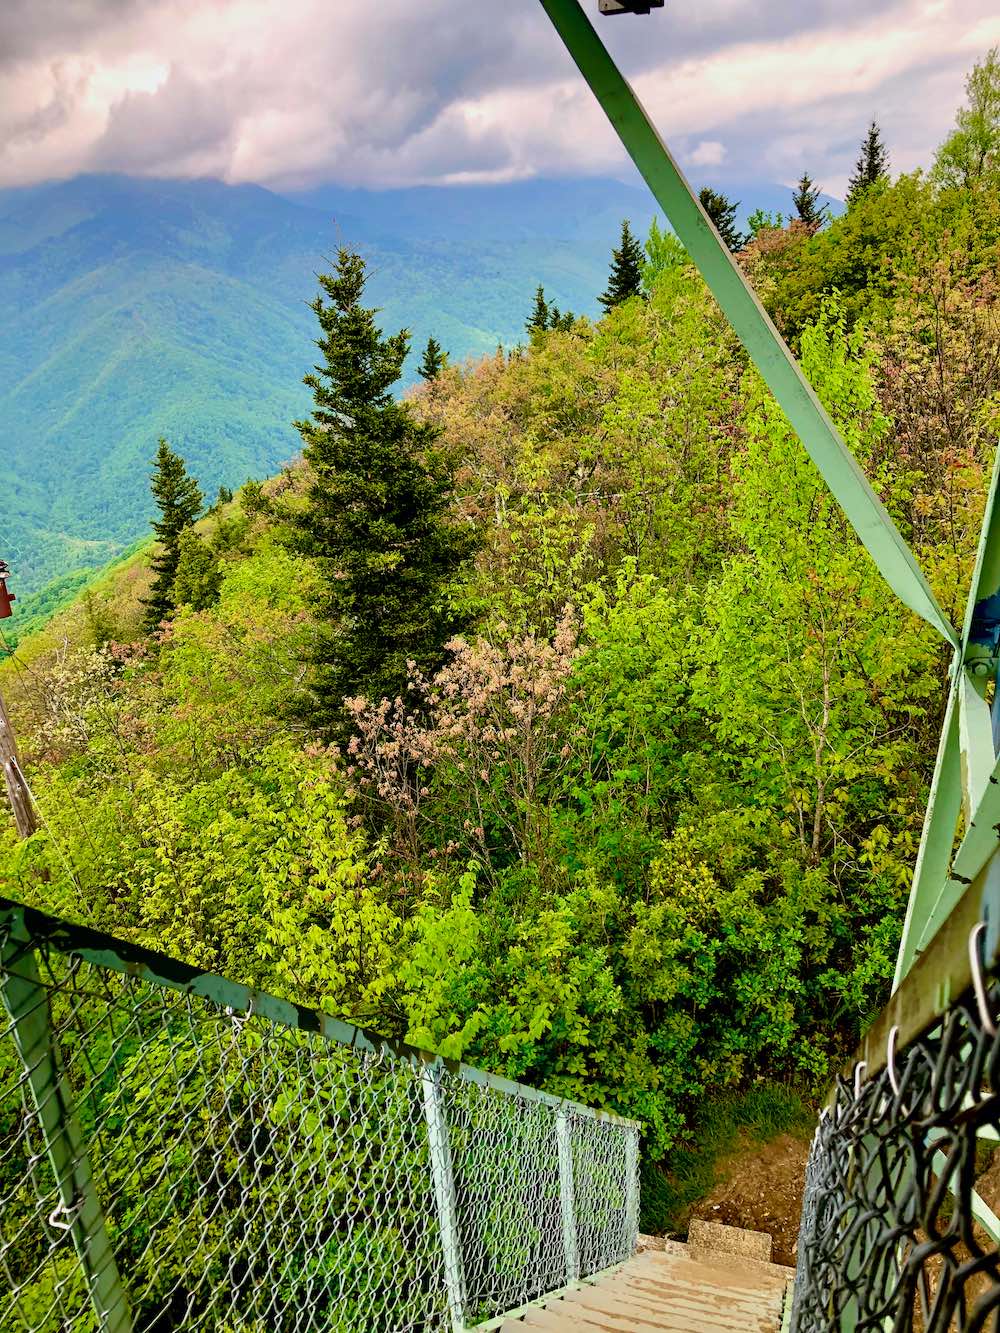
(722, 1281)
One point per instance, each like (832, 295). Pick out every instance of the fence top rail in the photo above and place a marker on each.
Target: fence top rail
(28, 927)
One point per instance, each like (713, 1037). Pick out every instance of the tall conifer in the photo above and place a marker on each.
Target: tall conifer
(871, 166)
(723, 215)
(433, 360)
(179, 501)
(625, 278)
(376, 515)
(538, 320)
(806, 201)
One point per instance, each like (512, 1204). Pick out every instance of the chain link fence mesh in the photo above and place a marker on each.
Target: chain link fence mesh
(891, 1235)
(171, 1163)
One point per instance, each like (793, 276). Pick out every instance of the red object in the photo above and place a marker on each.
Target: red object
(5, 601)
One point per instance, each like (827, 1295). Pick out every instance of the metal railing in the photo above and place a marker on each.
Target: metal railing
(894, 1235)
(179, 1152)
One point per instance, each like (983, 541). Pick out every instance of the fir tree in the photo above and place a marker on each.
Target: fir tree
(806, 200)
(434, 360)
(723, 215)
(179, 501)
(625, 279)
(376, 514)
(871, 166)
(538, 320)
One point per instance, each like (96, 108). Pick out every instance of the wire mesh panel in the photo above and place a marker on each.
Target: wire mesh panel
(507, 1186)
(171, 1162)
(889, 1236)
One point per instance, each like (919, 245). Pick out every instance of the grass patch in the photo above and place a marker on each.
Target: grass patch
(671, 1187)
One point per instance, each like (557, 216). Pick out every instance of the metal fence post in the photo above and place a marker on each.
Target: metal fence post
(632, 1188)
(567, 1200)
(444, 1193)
(27, 1002)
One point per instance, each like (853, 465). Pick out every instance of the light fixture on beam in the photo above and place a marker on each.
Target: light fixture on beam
(628, 6)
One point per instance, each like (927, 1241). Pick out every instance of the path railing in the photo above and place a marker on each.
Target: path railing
(894, 1235)
(178, 1152)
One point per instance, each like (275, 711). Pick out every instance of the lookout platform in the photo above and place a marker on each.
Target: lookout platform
(715, 1284)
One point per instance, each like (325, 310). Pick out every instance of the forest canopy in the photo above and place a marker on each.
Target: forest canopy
(634, 815)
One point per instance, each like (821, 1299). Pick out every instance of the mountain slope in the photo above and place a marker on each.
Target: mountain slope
(135, 308)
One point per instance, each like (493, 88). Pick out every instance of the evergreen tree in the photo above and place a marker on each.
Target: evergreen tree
(179, 501)
(871, 166)
(723, 215)
(806, 200)
(559, 321)
(434, 360)
(376, 514)
(625, 279)
(538, 320)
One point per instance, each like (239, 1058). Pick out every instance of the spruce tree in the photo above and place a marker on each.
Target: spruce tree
(871, 166)
(538, 320)
(434, 360)
(625, 279)
(179, 501)
(806, 201)
(723, 215)
(376, 515)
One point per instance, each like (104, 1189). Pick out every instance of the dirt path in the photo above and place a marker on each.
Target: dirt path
(759, 1187)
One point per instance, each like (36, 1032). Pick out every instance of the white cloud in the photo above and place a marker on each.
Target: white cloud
(401, 93)
(709, 153)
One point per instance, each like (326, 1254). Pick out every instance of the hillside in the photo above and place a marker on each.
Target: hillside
(139, 308)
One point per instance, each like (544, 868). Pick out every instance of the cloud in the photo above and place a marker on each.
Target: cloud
(402, 93)
(709, 153)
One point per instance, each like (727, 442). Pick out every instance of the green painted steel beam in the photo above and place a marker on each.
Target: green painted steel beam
(765, 346)
(937, 838)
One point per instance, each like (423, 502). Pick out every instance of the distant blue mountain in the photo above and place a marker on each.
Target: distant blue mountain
(135, 307)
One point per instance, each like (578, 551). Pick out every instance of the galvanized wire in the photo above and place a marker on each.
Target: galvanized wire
(889, 1238)
(255, 1177)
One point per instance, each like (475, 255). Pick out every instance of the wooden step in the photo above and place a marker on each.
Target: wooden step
(671, 1291)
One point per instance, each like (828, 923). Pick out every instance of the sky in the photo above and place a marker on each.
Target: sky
(294, 93)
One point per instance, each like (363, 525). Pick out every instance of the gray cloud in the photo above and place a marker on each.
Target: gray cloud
(295, 93)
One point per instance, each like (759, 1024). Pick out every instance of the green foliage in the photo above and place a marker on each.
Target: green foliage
(723, 214)
(625, 278)
(871, 167)
(970, 156)
(198, 577)
(376, 518)
(664, 254)
(179, 501)
(644, 832)
(762, 220)
(720, 1126)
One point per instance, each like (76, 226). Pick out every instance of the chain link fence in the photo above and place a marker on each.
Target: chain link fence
(893, 1235)
(179, 1153)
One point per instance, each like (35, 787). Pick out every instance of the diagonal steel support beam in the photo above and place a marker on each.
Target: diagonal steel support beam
(967, 775)
(764, 344)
